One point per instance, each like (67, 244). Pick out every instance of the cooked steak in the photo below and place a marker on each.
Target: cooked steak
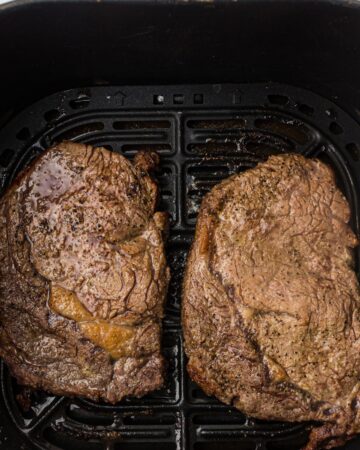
(83, 274)
(271, 300)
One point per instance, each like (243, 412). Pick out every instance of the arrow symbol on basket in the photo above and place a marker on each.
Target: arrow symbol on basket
(121, 97)
(236, 97)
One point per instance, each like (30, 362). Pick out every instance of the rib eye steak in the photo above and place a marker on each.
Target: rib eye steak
(271, 299)
(83, 274)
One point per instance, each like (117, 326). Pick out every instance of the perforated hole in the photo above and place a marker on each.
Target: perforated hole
(158, 99)
(354, 151)
(52, 115)
(306, 109)
(198, 99)
(335, 128)
(5, 157)
(24, 134)
(178, 99)
(276, 99)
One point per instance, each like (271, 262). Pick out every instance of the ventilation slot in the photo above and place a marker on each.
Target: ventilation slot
(264, 150)
(234, 418)
(141, 124)
(217, 124)
(159, 419)
(278, 99)
(213, 148)
(145, 446)
(292, 130)
(82, 130)
(206, 172)
(176, 257)
(230, 445)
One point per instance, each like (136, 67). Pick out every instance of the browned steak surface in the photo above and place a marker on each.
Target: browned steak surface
(83, 274)
(271, 299)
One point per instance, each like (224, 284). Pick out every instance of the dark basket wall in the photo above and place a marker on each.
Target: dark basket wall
(47, 46)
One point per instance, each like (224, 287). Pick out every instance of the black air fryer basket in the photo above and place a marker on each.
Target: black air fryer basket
(214, 87)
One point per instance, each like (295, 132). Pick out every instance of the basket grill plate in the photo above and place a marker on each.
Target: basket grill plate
(203, 133)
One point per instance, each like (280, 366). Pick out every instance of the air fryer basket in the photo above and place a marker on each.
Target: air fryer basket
(120, 97)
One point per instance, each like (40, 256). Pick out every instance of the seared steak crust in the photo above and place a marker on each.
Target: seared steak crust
(271, 299)
(83, 274)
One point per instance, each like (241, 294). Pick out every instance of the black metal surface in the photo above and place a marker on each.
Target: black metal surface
(55, 45)
(203, 134)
